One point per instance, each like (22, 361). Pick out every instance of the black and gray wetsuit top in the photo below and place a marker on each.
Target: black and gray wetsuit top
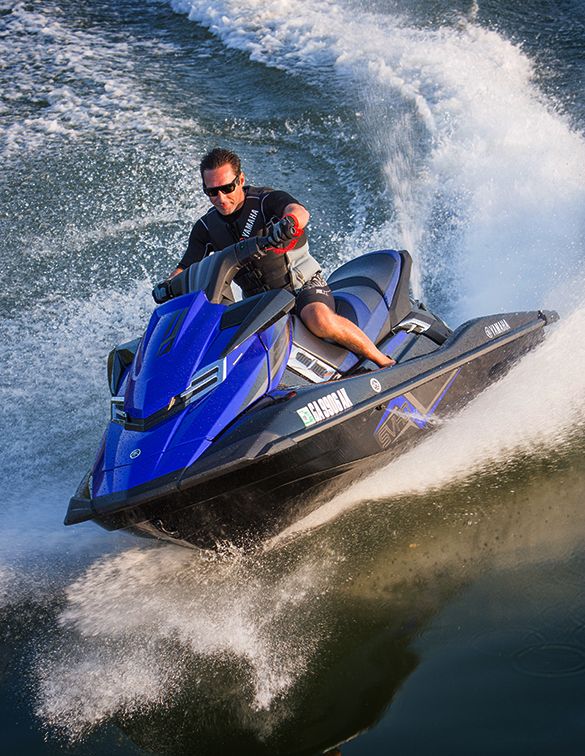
(261, 208)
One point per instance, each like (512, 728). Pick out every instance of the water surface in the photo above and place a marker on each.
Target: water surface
(437, 606)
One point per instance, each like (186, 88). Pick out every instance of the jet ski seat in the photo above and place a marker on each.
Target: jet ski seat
(373, 292)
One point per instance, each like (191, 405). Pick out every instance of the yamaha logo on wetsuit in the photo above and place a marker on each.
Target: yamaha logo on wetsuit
(249, 224)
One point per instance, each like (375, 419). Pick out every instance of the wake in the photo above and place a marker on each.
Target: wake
(486, 178)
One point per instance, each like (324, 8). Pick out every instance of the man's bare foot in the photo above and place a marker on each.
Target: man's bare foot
(388, 361)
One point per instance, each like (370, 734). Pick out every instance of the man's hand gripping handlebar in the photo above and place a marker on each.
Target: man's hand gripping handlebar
(284, 233)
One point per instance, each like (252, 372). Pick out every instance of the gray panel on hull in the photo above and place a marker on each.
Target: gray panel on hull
(331, 353)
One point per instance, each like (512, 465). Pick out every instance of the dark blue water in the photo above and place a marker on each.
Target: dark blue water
(436, 607)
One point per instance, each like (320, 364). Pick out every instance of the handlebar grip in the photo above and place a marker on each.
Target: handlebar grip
(246, 249)
(262, 243)
(294, 225)
(162, 292)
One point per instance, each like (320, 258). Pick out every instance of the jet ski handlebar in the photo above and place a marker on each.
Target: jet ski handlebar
(215, 273)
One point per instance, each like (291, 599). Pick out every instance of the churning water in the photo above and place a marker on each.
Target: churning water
(444, 589)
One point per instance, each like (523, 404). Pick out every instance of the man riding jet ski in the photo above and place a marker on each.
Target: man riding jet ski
(241, 212)
(228, 417)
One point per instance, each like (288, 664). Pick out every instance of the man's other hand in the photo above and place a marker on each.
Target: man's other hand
(161, 292)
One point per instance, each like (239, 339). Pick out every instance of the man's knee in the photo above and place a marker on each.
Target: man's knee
(319, 319)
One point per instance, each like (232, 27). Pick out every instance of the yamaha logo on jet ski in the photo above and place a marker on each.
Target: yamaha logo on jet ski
(497, 329)
(327, 406)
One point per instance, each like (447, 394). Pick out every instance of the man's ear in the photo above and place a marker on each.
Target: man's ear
(242, 179)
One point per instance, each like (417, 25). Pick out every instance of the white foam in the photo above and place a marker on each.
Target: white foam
(103, 93)
(22, 582)
(60, 395)
(7, 581)
(54, 395)
(91, 684)
(123, 613)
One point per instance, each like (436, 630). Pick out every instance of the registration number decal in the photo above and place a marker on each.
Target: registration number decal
(325, 407)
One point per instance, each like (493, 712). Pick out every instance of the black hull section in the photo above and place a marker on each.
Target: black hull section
(265, 473)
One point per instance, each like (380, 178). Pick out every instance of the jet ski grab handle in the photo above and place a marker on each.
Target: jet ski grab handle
(214, 274)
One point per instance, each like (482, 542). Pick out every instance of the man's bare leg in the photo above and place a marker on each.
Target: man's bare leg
(326, 324)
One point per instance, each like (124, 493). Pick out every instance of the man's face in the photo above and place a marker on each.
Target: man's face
(225, 174)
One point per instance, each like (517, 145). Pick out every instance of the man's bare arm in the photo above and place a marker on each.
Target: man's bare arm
(300, 213)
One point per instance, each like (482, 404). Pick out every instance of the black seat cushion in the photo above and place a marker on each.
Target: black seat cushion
(373, 291)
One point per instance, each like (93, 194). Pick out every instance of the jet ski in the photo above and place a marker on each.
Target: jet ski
(229, 417)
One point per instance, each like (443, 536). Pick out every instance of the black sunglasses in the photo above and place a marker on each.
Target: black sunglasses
(213, 191)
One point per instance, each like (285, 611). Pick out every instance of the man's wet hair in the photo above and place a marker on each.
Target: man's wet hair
(219, 156)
